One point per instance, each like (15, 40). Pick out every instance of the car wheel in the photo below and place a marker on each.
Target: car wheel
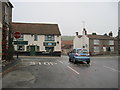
(88, 62)
(74, 61)
(70, 60)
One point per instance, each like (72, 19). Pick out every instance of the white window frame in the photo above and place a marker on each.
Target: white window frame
(96, 42)
(111, 42)
(96, 49)
(112, 49)
(104, 49)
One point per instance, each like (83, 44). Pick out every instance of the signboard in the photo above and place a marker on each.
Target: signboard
(49, 44)
(20, 42)
(17, 35)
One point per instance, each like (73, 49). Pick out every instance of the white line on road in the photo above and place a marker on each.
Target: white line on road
(39, 63)
(60, 61)
(111, 68)
(73, 70)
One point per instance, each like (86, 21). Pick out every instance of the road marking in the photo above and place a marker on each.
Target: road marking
(32, 63)
(111, 68)
(73, 70)
(60, 61)
(39, 63)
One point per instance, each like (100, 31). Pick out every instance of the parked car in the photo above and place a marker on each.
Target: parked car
(79, 54)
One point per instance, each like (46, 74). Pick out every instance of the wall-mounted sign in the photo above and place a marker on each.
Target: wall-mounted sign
(20, 42)
(17, 35)
(49, 44)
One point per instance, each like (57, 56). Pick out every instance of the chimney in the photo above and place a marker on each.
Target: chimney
(111, 34)
(84, 31)
(76, 33)
(105, 34)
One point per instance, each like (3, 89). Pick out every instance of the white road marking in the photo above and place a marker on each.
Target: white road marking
(39, 63)
(111, 68)
(50, 63)
(32, 63)
(46, 63)
(73, 70)
(60, 61)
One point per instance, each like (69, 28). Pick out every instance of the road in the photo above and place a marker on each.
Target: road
(58, 72)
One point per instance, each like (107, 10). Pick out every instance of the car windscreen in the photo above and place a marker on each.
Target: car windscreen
(82, 51)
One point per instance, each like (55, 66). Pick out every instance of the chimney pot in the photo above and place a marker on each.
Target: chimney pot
(77, 33)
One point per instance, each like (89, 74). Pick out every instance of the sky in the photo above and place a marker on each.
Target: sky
(71, 16)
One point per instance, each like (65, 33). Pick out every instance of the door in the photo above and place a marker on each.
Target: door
(32, 50)
(49, 49)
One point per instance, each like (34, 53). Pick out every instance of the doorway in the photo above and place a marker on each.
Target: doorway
(32, 50)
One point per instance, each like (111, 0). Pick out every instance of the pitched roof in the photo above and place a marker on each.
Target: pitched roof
(99, 37)
(36, 28)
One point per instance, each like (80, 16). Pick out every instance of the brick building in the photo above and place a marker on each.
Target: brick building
(5, 30)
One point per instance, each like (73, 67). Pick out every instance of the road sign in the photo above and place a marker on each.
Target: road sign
(17, 35)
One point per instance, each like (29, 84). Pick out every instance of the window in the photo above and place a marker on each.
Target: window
(28, 48)
(35, 37)
(21, 47)
(49, 38)
(96, 42)
(6, 13)
(38, 48)
(112, 49)
(111, 42)
(104, 49)
(96, 49)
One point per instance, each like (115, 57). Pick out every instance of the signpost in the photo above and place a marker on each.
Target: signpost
(17, 35)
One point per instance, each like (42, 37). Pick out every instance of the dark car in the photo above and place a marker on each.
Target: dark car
(79, 54)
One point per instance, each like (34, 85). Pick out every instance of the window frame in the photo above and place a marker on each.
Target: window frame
(35, 37)
(111, 42)
(49, 38)
(96, 48)
(96, 42)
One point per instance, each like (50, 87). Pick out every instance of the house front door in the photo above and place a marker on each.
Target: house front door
(32, 50)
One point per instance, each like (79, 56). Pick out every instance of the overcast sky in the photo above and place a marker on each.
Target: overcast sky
(99, 17)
